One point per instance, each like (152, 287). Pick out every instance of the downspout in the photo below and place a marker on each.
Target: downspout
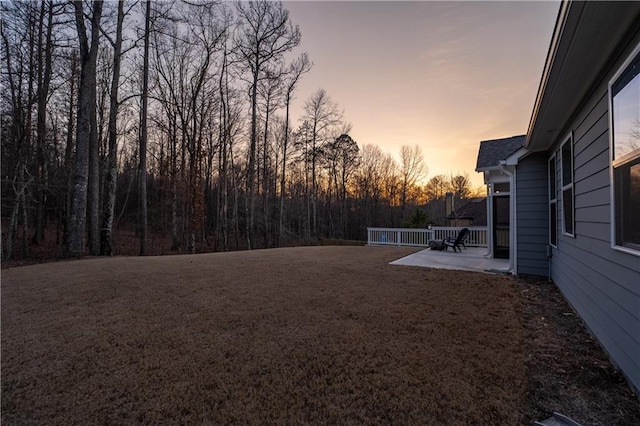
(489, 253)
(512, 218)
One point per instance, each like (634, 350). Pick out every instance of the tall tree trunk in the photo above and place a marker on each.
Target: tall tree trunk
(17, 137)
(219, 208)
(173, 135)
(27, 133)
(222, 223)
(44, 79)
(265, 180)
(93, 189)
(284, 169)
(109, 200)
(296, 69)
(94, 154)
(17, 207)
(252, 156)
(314, 186)
(307, 189)
(266, 36)
(69, 149)
(234, 184)
(86, 108)
(143, 134)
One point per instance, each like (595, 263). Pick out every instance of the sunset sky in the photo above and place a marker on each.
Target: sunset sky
(442, 75)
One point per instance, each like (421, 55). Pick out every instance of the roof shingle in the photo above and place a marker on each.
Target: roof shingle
(493, 151)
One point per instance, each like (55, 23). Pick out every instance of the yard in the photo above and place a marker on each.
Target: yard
(314, 335)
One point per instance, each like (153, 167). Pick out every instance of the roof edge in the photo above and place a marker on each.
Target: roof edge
(559, 28)
(487, 169)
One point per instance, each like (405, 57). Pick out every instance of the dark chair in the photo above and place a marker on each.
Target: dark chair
(458, 241)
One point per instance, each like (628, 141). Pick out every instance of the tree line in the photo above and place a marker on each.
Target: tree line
(174, 119)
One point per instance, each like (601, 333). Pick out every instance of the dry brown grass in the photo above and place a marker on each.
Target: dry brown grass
(315, 335)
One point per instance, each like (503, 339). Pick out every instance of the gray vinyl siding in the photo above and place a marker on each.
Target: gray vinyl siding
(602, 284)
(532, 216)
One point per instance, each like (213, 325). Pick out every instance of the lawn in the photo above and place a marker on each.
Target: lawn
(314, 335)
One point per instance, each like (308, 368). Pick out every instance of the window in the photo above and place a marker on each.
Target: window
(624, 102)
(566, 152)
(553, 207)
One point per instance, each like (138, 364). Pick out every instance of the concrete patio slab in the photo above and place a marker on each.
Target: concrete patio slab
(471, 259)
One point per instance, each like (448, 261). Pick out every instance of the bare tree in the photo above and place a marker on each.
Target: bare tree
(343, 155)
(86, 138)
(18, 45)
(112, 160)
(435, 191)
(44, 61)
(369, 183)
(142, 171)
(302, 138)
(70, 146)
(266, 34)
(322, 114)
(206, 151)
(167, 59)
(460, 186)
(222, 223)
(412, 168)
(184, 57)
(436, 187)
(296, 69)
(270, 89)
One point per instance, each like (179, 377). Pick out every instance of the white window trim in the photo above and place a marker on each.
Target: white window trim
(569, 140)
(612, 201)
(553, 201)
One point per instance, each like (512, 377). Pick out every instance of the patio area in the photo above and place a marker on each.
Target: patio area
(471, 259)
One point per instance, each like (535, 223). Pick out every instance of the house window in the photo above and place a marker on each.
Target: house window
(624, 98)
(553, 207)
(568, 219)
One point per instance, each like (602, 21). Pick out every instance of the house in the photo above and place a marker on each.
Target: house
(575, 182)
(472, 213)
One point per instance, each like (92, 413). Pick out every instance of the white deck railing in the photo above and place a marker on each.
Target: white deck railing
(421, 237)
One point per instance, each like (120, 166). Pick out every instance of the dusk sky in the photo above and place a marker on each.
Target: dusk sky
(442, 75)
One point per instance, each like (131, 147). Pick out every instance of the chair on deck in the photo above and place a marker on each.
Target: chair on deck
(458, 241)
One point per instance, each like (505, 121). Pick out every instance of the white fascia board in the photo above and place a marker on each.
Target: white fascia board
(487, 169)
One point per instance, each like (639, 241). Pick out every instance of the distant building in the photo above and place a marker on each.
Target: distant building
(472, 213)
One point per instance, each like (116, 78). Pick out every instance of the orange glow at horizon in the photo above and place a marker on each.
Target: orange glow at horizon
(440, 75)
